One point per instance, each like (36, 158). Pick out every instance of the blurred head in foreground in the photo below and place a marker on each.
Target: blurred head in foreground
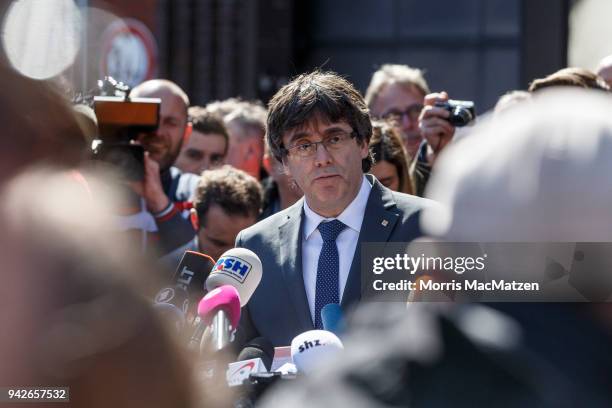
(38, 125)
(538, 173)
(572, 77)
(75, 315)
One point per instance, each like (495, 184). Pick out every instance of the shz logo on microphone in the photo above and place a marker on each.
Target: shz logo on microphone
(235, 267)
(309, 344)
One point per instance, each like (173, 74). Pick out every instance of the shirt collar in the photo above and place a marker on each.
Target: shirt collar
(352, 216)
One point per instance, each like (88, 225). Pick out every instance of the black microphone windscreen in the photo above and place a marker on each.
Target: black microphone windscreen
(193, 265)
(176, 296)
(259, 347)
(171, 315)
(191, 275)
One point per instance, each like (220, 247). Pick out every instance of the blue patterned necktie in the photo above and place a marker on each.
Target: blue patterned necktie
(328, 269)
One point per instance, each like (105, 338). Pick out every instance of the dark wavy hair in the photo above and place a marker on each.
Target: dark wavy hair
(386, 145)
(324, 94)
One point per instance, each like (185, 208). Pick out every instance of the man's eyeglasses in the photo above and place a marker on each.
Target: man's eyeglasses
(332, 143)
(413, 112)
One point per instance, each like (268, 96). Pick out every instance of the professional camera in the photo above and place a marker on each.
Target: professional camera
(121, 120)
(461, 112)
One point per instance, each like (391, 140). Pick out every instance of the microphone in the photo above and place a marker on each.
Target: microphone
(188, 281)
(176, 296)
(333, 318)
(259, 347)
(237, 267)
(311, 348)
(220, 310)
(171, 315)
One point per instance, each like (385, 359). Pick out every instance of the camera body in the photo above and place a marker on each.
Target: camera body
(121, 120)
(462, 113)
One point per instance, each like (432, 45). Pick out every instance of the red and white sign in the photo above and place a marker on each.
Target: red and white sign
(240, 371)
(128, 52)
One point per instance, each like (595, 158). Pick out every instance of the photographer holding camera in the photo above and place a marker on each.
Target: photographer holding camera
(437, 123)
(164, 188)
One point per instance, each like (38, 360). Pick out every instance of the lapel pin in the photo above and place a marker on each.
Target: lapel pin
(385, 223)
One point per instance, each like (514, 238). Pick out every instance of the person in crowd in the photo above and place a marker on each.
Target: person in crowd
(604, 70)
(223, 107)
(437, 132)
(577, 77)
(508, 354)
(207, 147)
(396, 93)
(280, 191)
(390, 158)
(399, 93)
(165, 190)
(245, 122)
(319, 127)
(226, 201)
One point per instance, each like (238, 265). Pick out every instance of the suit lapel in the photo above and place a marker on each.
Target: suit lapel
(290, 241)
(378, 222)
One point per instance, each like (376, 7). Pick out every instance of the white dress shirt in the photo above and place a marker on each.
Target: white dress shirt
(312, 242)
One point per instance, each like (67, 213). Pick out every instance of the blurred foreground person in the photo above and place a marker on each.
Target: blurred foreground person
(38, 125)
(604, 70)
(526, 184)
(510, 99)
(390, 158)
(71, 316)
(574, 77)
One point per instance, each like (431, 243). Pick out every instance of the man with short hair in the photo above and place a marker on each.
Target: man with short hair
(319, 127)
(245, 122)
(207, 146)
(396, 93)
(226, 201)
(164, 190)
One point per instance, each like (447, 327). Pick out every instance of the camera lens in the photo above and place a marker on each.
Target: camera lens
(461, 116)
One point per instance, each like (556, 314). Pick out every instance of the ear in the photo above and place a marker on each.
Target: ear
(286, 169)
(193, 217)
(365, 149)
(187, 134)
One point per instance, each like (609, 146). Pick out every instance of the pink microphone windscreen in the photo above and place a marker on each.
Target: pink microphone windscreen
(224, 298)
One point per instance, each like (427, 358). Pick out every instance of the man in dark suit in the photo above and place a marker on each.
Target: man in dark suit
(319, 128)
